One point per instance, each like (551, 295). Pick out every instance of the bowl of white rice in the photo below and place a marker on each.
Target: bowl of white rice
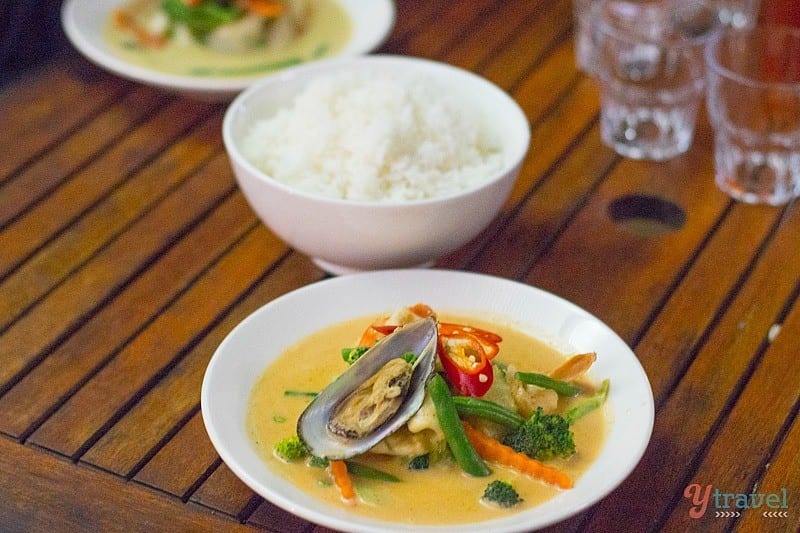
(375, 162)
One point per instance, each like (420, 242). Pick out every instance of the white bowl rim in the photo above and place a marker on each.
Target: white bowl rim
(515, 160)
(513, 523)
(177, 82)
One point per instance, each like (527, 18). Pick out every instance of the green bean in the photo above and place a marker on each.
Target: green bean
(356, 469)
(245, 70)
(562, 388)
(586, 406)
(465, 455)
(367, 472)
(308, 394)
(469, 406)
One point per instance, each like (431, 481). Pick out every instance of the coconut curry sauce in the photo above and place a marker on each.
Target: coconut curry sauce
(328, 28)
(441, 495)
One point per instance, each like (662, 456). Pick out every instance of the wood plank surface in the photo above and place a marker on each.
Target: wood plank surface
(46, 108)
(622, 276)
(87, 240)
(39, 494)
(782, 472)
(713, 380)
(141, 363)
(545, 31)
(39, 225)
(44, 174)
(178, 392)
(749, 430)
(87, 349)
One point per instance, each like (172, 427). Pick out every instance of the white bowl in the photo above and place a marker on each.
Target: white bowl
(343, 236)
(250, 348)
(84, 22)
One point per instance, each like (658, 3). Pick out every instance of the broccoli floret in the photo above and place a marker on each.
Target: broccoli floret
(351, 355)
(420, 462)
(290, 448)
(501, 493)
(543, 437)
(318, 462)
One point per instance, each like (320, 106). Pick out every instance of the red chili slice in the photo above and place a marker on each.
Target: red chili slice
(385, 329)
(465, 363)
(489, 341)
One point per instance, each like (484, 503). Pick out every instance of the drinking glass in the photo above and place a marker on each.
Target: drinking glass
(737, 13)
(734, 13)
(652, 74)
(650, 14)
(583, 22)
(753, 101)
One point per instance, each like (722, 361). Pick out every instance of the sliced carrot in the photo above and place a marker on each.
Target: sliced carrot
(264, 8)
(341, 478)
(494, 450)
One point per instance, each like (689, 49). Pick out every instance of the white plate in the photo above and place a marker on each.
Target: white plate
(84, 21)
(253, 344)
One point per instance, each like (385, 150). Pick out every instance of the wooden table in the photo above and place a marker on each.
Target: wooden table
(127, 253)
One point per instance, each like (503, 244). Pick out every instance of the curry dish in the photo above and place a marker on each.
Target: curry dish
(220, 38)
(420, 473)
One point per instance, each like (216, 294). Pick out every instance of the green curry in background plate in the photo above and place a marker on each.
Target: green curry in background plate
(325, 31)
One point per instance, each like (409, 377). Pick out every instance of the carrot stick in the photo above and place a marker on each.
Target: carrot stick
(493, 450)
(264, 8)
(338, 471)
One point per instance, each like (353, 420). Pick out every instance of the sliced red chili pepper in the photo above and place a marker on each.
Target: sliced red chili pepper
(465, 363)
(380, 329)
(371, 335)
(374, 333)
(385, 329)
(448, 328)
(489, 341)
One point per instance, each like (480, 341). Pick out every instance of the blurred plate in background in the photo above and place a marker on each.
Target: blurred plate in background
(85, 23)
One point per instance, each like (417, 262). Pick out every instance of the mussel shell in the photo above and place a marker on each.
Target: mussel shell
(312, 426)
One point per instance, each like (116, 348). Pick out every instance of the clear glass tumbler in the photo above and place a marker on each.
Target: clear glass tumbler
(737, 13)
(652, 76)
(753, 102)
(583, 24)
(651, 16)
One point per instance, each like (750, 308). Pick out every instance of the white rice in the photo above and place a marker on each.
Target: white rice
(374, 138)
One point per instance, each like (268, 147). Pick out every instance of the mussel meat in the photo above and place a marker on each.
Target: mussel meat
(374, 397)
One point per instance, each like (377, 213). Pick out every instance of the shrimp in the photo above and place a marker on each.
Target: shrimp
(528, 398)
(574, 367)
